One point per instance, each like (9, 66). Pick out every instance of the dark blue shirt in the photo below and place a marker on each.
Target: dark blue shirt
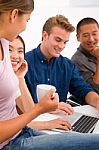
(60, 72)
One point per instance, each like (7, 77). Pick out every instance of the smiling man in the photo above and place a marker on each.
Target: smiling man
(47, 65)
(87, 55)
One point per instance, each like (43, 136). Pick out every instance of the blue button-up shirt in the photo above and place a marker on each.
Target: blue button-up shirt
(60, 72)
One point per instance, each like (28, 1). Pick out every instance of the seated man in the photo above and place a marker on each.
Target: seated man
(47, 65)
(87, 55)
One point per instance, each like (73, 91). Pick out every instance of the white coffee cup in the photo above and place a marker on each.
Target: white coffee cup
(42, 90)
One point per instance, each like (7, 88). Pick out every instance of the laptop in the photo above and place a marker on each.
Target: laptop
(85, 119)
(82, 123)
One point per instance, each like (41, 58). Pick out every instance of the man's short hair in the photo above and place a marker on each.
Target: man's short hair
(85, 21)
(59, 21)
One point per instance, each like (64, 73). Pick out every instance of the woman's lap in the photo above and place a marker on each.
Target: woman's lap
(33, 140)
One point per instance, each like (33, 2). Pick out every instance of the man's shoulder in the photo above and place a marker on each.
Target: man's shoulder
(29, 55)
(30, 52)
(78, 56)
(65, 60)
(61, 57)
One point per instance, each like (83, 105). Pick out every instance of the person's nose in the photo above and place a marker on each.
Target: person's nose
(14, 54)
(91, 38)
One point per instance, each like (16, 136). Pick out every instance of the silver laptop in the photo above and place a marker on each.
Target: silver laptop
(82, 123)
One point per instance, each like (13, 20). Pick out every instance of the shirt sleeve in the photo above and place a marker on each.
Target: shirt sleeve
(79, 88)
(87, 70)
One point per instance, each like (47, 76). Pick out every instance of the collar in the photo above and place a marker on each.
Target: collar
(41, 55)
(88, 55)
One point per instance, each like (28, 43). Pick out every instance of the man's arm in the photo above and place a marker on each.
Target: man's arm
(96, 75)
(92, 98)
(88, 69)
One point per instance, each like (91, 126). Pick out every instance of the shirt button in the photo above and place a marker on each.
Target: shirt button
(48, 79)
(41, 61)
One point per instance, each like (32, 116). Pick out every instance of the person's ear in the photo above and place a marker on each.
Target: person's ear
(78, 37)
(13, 15)
(44, 35)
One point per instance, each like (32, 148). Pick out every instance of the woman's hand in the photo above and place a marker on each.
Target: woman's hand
(48, 102)
(58, 123)
(22, 70)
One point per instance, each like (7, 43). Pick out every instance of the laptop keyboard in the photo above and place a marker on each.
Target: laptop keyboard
(85, 124)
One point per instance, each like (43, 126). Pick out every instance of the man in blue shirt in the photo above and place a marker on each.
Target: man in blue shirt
(47, 65)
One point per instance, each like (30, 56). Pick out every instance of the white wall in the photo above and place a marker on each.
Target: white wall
(47, 8)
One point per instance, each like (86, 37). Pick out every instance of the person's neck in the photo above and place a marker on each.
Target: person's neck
(47, 56)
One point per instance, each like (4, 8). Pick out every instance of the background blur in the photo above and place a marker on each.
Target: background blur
(74, 10)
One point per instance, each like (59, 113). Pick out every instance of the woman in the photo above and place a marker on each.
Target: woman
(13, 18)
(25, 101)
(13, 131)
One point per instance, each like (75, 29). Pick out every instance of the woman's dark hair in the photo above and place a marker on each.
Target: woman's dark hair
(21, 39)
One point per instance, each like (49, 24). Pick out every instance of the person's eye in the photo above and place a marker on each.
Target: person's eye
(10, 50)
(28, 20)
(65, 42)
(94, 34)
(85, 36)
(58, 40)
(21, 51)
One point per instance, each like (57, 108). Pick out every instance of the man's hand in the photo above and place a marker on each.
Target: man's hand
(64, 108)
(95, 53)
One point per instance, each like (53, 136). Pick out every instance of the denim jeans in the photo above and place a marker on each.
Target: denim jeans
(33, 140)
